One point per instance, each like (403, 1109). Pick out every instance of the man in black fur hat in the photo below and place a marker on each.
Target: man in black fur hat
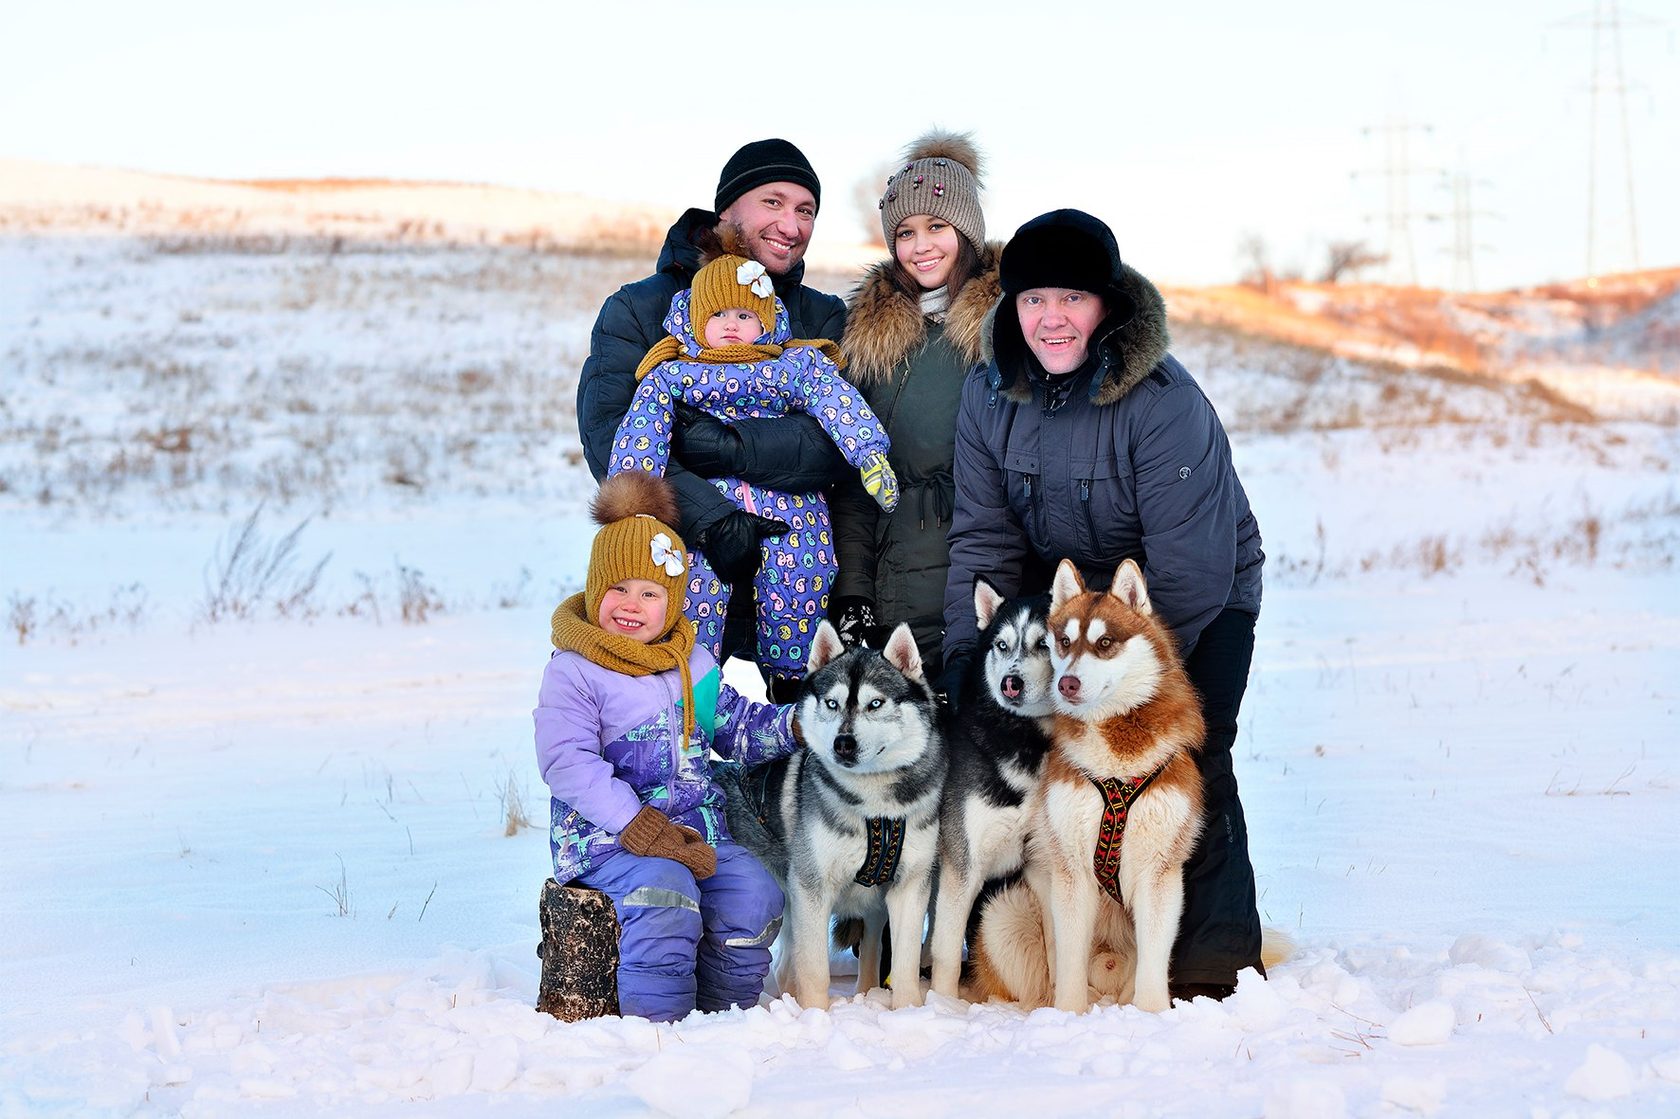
(1082, 437)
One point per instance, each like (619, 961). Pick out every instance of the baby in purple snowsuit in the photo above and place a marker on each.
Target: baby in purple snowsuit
(728, 353)
(628, 714)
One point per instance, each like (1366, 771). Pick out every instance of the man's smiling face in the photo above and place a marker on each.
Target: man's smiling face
(775, 221)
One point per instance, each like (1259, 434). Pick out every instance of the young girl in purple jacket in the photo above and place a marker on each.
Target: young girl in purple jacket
(628, 714)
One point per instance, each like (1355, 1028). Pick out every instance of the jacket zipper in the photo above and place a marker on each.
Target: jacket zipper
(1090, 519)
(677, 743)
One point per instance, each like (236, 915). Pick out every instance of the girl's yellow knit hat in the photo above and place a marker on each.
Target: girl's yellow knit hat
(636, 541)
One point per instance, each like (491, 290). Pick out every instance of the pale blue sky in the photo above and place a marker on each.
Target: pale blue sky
(1184, 125)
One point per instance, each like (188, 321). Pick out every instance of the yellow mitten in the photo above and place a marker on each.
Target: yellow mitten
(880, 481)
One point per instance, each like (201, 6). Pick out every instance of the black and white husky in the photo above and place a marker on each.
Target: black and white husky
(851, 823)
(998, 742)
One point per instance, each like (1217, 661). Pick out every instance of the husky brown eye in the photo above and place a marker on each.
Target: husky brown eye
(1105, 642)
(1063, 643)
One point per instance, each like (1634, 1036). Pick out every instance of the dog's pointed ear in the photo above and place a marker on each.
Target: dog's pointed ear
(1067, 584)
(1129, 587)
(825, 646)
(986, 601)
(901, 652)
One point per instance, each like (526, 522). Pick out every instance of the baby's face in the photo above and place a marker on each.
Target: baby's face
(733, 326)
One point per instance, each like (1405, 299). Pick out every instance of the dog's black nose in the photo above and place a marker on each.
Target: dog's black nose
(845, 749)
(1013, 686)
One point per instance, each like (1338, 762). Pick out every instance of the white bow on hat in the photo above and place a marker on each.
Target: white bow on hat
(751, 274)
(666, 555)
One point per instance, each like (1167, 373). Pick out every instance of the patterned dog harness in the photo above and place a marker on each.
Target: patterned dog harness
(886, 843)
(1118, 793)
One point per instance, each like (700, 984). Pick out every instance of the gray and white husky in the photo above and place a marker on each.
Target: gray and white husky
(998, 742)
(851, 823)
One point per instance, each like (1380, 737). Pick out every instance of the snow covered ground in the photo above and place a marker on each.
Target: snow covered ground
(259, 865)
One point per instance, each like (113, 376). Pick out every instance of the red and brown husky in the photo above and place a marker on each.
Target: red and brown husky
(1120, 810)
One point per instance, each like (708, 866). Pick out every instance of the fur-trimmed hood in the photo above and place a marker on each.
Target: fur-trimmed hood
(884, 325)
(1129, 349)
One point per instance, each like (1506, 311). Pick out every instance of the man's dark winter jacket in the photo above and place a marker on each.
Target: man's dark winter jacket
(790, 453)
(1125, 459)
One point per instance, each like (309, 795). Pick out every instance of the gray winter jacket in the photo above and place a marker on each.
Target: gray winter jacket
(1126, 460)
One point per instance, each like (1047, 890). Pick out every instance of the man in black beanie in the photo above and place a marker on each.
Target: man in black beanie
(766, 204)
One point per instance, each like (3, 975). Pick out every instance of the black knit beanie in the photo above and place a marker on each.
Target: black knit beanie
(760, 162)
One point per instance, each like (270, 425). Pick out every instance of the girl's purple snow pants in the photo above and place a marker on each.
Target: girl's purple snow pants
(688, 943)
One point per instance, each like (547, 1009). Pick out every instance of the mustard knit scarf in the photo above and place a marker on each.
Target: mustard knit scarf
(574, 632)
(669, 348)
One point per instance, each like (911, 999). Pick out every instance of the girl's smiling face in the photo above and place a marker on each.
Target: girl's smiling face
(927, 249)
(634, 608)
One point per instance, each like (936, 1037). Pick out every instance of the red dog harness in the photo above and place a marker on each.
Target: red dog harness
(1118, 793)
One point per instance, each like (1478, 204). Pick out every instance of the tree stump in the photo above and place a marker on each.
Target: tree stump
(579, 952)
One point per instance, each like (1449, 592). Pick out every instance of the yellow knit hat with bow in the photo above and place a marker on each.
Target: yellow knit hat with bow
(732, 281)
(636, 541)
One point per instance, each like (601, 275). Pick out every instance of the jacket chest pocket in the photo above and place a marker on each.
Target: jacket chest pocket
(1103, 515)
(1024, 479)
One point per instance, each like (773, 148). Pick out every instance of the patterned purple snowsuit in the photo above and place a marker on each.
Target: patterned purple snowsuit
(606, 745)
(793, 581)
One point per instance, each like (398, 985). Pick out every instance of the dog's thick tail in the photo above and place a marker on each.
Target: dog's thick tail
(1010, 959)
(1275, 947)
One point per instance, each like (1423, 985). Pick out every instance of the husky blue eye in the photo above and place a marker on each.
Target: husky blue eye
(874, 703)
(831, 705)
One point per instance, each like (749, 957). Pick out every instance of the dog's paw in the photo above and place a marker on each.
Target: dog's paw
(907, 994)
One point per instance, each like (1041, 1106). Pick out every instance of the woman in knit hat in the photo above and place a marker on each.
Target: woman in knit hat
(912, 335)
(727, 352)
(627, 717)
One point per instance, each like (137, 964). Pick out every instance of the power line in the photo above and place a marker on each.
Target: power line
(1464, 213)
(1397, 172)
(1607, 15)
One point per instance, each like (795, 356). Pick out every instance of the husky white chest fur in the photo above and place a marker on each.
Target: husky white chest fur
(860, 811)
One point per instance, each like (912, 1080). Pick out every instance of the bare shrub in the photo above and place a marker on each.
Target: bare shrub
(418, 597)
(512, 797)
(340, 893)
(516, 595)
(20, 616)
(249, 571)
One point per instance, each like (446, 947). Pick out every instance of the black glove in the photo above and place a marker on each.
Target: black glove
(948, 687)
(705, 444)
(732, 544)
(852, 614)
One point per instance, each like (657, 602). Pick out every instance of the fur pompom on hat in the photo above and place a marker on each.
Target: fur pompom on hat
(941, 177)
(636, 512)
(732, 281)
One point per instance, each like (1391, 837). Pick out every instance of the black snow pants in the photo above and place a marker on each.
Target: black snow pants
(1219, 933)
